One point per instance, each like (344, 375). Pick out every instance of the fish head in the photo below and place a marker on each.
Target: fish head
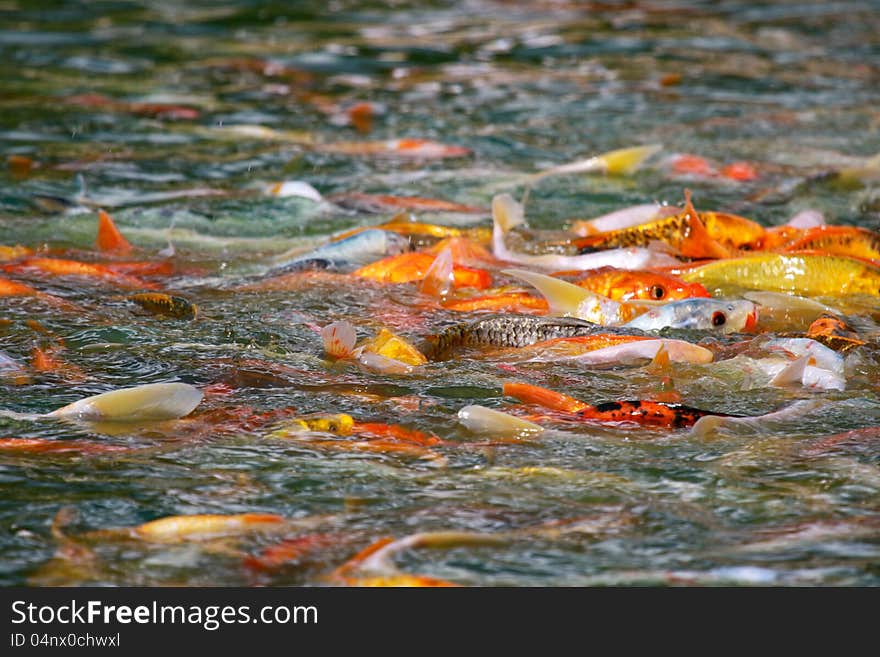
(730, 316)
(396, 243)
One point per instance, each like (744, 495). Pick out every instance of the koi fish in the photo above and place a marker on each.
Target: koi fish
(359, 249)
(804, 274)
(408, 267)
(834, 333)
(153, 401)
(698, 313)
(504, 331)
(50, 446)
(61, 267)
(628, 285)
(14, 252)
(850, 241)
(155, 110)
(45, 360)
(480, 419)
(165, 304)
(508, 214)
(292, 550)
(399, 224)
(518, 302)
(618, 349)
(684, 232)
(198, 527)
(649, 413)
(622, 161)
(419, 149)
(374, 564)
(622, 219)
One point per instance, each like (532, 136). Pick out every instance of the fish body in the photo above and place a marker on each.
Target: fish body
(686, 234)
(700, 314)
(851, 241)
(613, 348)
(648, 413)
(360, 249)
(508, 214)
(165, 304)
(504, 331)
(409, 267)
(626, 285)
(804, 274)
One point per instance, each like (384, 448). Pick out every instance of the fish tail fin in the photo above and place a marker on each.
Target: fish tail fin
(545, 397)
(565, 298)
(661, 361)
(339, 339)
(624, 161)
(507, 214)
(439, 279)
(109, 238)
(793, 373)
(699, 243)
(621, 161)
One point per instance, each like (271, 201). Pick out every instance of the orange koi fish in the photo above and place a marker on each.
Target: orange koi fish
(409, 267)
(292, 550)
(10, 288)
(173, 529)
(110, 240)
(850, 241)
(47, 445)
(46, 360)
(511, 302)
(60, 267)
(648, 413)
(688, 164)
(625, 285)
(14, 252)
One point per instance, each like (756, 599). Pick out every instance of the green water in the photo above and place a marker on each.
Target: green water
(790, 87)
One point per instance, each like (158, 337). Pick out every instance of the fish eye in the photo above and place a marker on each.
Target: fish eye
(658, 292)
(718, 318)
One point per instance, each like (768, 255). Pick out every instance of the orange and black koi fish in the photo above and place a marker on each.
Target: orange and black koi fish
(648, 413)
(159, 303)
(685, 232)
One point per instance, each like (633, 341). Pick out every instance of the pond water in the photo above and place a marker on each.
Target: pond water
(132, 106)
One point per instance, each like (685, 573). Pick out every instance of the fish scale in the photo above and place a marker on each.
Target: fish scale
(507, 331)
